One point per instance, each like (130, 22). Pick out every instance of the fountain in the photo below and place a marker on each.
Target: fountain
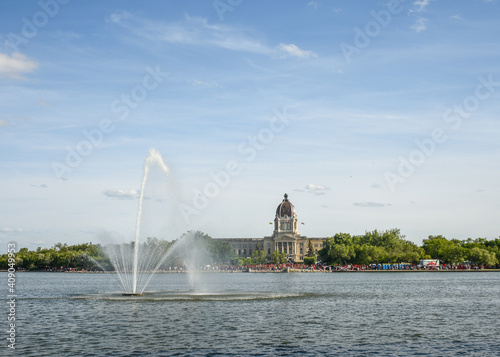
(153, 157)
(135, 264)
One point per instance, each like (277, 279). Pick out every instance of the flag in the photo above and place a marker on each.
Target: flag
(270, 222)
(302, 223)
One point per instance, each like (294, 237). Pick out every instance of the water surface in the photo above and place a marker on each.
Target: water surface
(306, 314)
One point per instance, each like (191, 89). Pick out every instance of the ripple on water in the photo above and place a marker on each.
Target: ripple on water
(194, 296)
(262, 314)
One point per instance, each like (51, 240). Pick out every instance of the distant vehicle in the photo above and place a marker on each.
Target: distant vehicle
(429, 263)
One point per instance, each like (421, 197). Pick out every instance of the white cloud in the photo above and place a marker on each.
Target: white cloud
(11, 230)
(198, 83)
(313, 4)
(368, 204)
(294, 51)
(421, 5)
(419, 25)
(122, 194)
(43, 103)
(456, 17)
(316, 189)
(40, 186)
(193, 30)
(15, 65)
(197, 31)
(118, 17)
(4, 123)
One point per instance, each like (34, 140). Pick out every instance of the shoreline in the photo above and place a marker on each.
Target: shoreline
(393, 271)
(289, 270)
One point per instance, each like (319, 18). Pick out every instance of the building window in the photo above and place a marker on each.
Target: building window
(316, 245)
(301, 245)
(268, 250)
(244, 251)
(301, 250)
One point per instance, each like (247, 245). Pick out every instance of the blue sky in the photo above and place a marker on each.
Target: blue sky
(370, 115)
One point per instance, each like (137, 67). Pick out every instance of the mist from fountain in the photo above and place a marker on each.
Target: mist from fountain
(136, 263)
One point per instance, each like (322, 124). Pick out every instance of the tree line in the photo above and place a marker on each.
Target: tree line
(88, 256)
(373, 247)
(390, 246)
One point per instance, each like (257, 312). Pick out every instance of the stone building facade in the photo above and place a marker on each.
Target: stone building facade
(285, 238)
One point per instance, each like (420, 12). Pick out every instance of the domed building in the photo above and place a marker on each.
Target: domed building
(285, 237)
(286, 218)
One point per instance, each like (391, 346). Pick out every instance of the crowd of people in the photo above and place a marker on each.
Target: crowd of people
(338, 268)
(300, 267)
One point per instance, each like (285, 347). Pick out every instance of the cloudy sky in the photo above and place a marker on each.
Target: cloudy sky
(370, 115)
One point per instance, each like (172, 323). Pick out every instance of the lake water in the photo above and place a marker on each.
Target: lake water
(267, 314)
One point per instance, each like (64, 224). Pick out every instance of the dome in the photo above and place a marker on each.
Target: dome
(285, 208)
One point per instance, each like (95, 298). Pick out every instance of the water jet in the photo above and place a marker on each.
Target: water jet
(137, 262)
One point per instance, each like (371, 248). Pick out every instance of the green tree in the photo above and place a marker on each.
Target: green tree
(309, 260)
(369, 254)
(236, 261)
(338, 249)
(259, 257)
(310, 249)
(481, 256)
(448, 251)
(278, 258)
(207, 249)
